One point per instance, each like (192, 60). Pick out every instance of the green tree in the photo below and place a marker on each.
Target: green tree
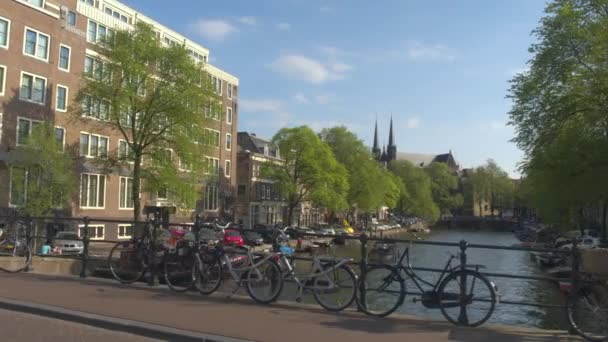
(417, 198)
(310, 171)
(444, 186)
(42, 173)
(154, 96)
(559, 110)
(490, 184)
(371, 186)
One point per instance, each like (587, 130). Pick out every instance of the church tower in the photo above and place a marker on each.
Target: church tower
(391, 149)
(376, 148)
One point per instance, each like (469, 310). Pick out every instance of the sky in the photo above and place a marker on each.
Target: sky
(440, 68)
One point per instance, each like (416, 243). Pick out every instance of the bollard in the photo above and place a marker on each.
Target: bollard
(363, 270)
(28, 241)
(462, 317)
(153, 279)
(85, 251)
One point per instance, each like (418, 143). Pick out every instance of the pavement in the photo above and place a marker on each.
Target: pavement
(157, 313)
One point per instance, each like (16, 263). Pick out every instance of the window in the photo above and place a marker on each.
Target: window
(33, 88)
(61, 104)
(94, 68)
(114, 13)
(89, 2)
(92, 191)
(211, 197)
(37, 3)
(229, 115)
(213, 138)
(64, 57)
(95, 108)
(71, 18)
(217, 84)
(211, 112)
(60, 136)
(93, 145)
(5, 30)
(213, 166)
(36, 44)
(24, 129)
(185, 165)
(125, 152)
(97, 32)
(125, 231)
(126, 193)
(227, 168)
(229, 91)
(19, 182)
(2, 79)
(162, 194)
(96, 231)
(228, 141)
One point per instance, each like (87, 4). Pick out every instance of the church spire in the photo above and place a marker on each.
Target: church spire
(391, 142)
(376, 148)
(391, 149)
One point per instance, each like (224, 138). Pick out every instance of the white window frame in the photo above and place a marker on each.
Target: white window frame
(95, 226)
(228, 148)
(67, 16)
(67, 92)
(38, 33)
(64, 134)
(229, 113)
(105, 187)
(125, 235)
(8, 33)
(41, 5)
(120, 193)
(128, 148)
(10, 187)
(214, 161)
(99, 136)
(97, 38)
(19, 118)
(216, 199)
(3, 84)
(69, 57)
(33, 81)
(227, 168)
(219, 137)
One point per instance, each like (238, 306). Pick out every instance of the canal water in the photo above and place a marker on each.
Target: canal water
(496, 261)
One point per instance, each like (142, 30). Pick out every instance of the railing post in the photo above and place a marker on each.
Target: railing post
(462, 317)
(28, 241)
(363, 270)
(153, 279)
(575, 274)
(85, 251)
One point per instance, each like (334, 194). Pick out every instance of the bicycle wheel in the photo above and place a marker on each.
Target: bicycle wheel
(384, 291)
(588, 312)
(477, 304)
(15, 256)
(264, 283)
(336, 290)
(127, 262)
(179, 270)
(208, 275)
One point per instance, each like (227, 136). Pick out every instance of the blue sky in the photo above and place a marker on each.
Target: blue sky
(440, 67)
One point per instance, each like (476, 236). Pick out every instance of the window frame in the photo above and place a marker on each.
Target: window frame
(19, 118)
(69, 57)
(63, 137)
(124, 236)
(3, 82)
(227, 168)
(38, 33)
(97, 38)
(67, 18)
(105, 187)
(34, 76)
(229, 113)
(120, 193)
(228, 148)
(229, 90)
(126, 158)
(67, 92)
(219, 137)
(214, 200)
(8, 33)
(99, 136)
(94, 226)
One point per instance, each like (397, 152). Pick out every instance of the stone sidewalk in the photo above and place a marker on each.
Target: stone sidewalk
(159, 313)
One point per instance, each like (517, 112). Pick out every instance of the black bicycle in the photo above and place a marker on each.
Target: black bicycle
(15, 250)
(587, 307)
(464, 296)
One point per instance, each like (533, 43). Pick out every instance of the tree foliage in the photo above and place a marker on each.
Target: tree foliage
(417, 196)
(559, 110)
(310, 171)
(371, 186)
(154, 96)
(490, 184)
(444, 186)
(42, 173)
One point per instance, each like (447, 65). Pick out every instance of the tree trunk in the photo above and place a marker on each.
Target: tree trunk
(290, 214)
(136, 187)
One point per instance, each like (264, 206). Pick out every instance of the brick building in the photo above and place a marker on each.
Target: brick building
(45, 47)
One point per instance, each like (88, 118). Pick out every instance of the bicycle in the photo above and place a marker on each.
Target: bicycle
(15, 250)
(384, 290)
(260, 275)
(331, 281)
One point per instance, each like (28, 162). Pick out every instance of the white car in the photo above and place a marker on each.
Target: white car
(584, 242)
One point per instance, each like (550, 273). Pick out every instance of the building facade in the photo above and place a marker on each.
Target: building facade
(45, 47)
(259, 202)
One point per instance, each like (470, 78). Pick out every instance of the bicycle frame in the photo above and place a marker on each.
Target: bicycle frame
(411, 273)
(317, 271)
(236, 273)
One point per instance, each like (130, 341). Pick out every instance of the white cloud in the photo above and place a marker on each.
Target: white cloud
(340, 67)
(412, 123)
(216, 30)
(303, 68)
(283, 26)
(419, 51)
(263, 105)
(248, 20)
(265, 113)
(301, 98)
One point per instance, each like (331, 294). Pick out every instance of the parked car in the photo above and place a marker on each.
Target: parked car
(68, 242)
(233, 237)
(209, 236)
(265, 230)
(252, 238)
